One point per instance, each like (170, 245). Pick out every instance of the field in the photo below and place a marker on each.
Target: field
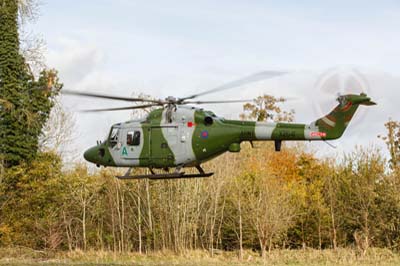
(198, 258)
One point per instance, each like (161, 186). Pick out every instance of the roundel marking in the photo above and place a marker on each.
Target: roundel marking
(204, 134)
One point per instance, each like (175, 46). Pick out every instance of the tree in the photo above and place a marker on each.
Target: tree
(392, 140)
(265, 108)
(330, 191)
(58, 132)
(388, 190)
(360, 174)
(312, 221)
(28, 9)
(25, 102)
(267, 195)
(142, 113)
(272, 213)
(33, 199)
(239, 233)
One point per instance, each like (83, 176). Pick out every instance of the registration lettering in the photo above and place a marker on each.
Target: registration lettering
(318, 134)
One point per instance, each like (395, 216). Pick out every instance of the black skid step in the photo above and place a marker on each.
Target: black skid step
(165, 176)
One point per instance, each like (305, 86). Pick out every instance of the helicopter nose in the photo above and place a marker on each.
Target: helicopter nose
(91, 155)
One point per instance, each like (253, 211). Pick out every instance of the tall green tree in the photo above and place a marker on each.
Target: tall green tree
(25, 102)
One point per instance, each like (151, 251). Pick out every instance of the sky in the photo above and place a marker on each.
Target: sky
(164, 48)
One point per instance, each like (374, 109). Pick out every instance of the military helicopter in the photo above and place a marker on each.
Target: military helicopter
(178, 136)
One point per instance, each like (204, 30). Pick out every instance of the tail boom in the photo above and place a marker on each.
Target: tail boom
(329, 127)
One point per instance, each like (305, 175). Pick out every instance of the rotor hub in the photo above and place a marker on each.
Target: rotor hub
(171, 99)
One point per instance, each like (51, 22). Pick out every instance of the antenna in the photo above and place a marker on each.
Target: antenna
(330, 145)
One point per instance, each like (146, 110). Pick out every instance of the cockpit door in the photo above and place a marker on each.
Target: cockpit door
(132, 145)
(126, 144)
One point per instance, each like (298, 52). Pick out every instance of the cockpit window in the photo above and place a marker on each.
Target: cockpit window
(211, 114)
(133, 138)
(114, 136)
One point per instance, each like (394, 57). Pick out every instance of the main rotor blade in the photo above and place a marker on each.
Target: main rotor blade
(285, 99)
(109, 97)
(120, 108)
(240, 82)
(212, 102)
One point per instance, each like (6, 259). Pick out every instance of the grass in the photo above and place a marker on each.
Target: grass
(23, 256)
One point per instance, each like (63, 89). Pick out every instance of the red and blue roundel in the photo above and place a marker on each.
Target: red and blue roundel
(204, 134)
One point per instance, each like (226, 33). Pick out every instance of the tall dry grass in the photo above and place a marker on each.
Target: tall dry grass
(25, 256)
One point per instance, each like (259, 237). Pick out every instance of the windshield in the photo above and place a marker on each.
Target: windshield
(113, 138)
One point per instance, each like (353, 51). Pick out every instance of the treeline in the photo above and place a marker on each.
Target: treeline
(257, 199)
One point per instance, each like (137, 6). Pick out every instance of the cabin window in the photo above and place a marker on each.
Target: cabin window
(114, 136)
(133, 138)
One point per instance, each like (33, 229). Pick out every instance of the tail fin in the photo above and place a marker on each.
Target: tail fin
(335, 123)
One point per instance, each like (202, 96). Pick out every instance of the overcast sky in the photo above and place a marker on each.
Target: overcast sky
(176, 48)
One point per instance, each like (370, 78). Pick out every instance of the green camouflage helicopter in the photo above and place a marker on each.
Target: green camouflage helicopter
(178, 136)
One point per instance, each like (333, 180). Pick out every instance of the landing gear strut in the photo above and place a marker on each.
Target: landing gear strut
(176, 174)
(278, 145)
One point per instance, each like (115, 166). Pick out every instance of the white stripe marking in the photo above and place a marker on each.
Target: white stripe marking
(329, 122)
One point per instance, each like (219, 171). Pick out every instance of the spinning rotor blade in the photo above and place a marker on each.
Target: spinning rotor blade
(285, 99)
(212, 102)
(120, 108)
(109, 97)
(252, 78)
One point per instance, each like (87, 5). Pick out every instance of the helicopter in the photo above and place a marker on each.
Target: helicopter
(179, 135)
